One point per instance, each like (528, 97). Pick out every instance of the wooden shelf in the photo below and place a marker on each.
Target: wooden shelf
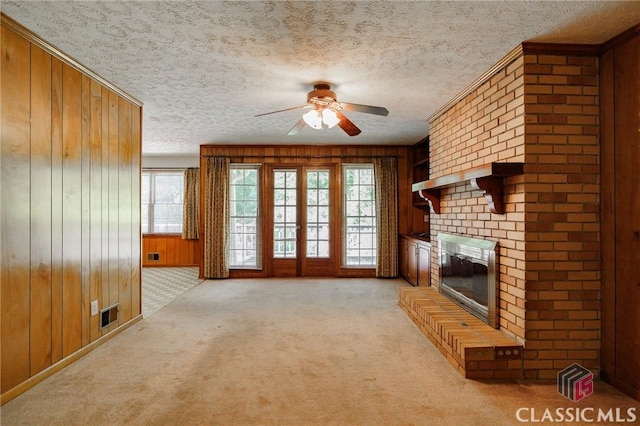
(422, 163)
(487, 178)
(422, 205)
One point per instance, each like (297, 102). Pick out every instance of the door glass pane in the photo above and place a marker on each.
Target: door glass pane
(284, 213)
(318, 213)
(244, 217)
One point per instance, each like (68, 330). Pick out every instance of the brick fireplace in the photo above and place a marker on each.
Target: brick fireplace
(538, 106)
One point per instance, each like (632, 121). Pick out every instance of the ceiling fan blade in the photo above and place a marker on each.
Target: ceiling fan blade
(282, 110)
(368, 109)
(295, 129)
(347, 125)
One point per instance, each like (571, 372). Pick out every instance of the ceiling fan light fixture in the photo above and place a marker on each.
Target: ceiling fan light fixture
(329, 117)
(327, 111)
(313, 119)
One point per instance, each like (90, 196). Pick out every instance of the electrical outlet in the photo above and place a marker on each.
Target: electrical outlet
(425, 218)
(94, 308)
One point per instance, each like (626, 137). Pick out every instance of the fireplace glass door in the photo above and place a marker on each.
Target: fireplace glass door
(467, 274)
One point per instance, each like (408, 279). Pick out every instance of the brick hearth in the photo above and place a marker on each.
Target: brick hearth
(477, 350)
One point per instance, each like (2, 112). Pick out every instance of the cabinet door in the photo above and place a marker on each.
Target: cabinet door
(424, 265)
(403, 257)
(412, 262)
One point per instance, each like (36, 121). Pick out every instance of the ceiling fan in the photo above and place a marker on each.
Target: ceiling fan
(326, 111)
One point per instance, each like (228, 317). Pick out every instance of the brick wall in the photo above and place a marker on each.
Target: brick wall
(488, 125)
(562, 213)
(541, 109)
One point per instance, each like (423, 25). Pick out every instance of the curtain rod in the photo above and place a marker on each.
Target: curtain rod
(304, 156)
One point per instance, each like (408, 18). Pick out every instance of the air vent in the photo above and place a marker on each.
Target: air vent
(108, 316)
(153, 256)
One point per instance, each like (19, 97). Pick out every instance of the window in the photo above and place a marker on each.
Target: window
(162, 201)
(244, 217)
(359, 216)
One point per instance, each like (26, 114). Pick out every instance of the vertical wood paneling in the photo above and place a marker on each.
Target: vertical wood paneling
(175, 250)
(136, 154)
(620, 203)
(56, 210)
(170, 251)
(148, 246)
(40, 215)
(161, 249)
(124, 210)
(14, 290)
(627, 212)
(185, 253)
(106, 209)
(607, 208)
(95, 185)
(113, 232)
(71, 210)
(85, 218)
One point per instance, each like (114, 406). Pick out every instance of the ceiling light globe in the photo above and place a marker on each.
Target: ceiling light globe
(313, 119)
(329, 117)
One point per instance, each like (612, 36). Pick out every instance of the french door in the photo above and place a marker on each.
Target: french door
(302, 224)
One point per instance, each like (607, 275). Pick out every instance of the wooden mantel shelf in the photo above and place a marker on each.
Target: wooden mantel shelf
(487, 178)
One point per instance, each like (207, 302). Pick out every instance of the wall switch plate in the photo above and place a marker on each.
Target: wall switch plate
(94, 308)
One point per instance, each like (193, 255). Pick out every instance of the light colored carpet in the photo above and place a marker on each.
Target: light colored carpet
(279, 352)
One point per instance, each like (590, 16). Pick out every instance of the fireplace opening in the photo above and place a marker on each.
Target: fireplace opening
(468, 274)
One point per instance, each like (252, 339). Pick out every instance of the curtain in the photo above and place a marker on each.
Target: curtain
(386, 182)
(216, 218)
(190, 211)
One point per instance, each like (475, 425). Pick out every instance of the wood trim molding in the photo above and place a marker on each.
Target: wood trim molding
(34, 380)
(621, 38)
(506, 60)
(617, 383)
(534, 48)
(35, 39)
(521, 49)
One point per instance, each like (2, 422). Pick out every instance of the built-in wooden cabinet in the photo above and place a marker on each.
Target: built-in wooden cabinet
(419, 173)
(415, 261)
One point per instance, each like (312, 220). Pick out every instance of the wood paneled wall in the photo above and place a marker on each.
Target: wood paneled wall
(70, 206)
(172, 250)
(620, 217)
(315, 155)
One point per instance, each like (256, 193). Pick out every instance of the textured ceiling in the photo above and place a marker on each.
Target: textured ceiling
(204, 69)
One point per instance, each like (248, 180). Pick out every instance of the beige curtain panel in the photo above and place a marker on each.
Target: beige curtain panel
(386, 182)
(190, 212)
(216, 218)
